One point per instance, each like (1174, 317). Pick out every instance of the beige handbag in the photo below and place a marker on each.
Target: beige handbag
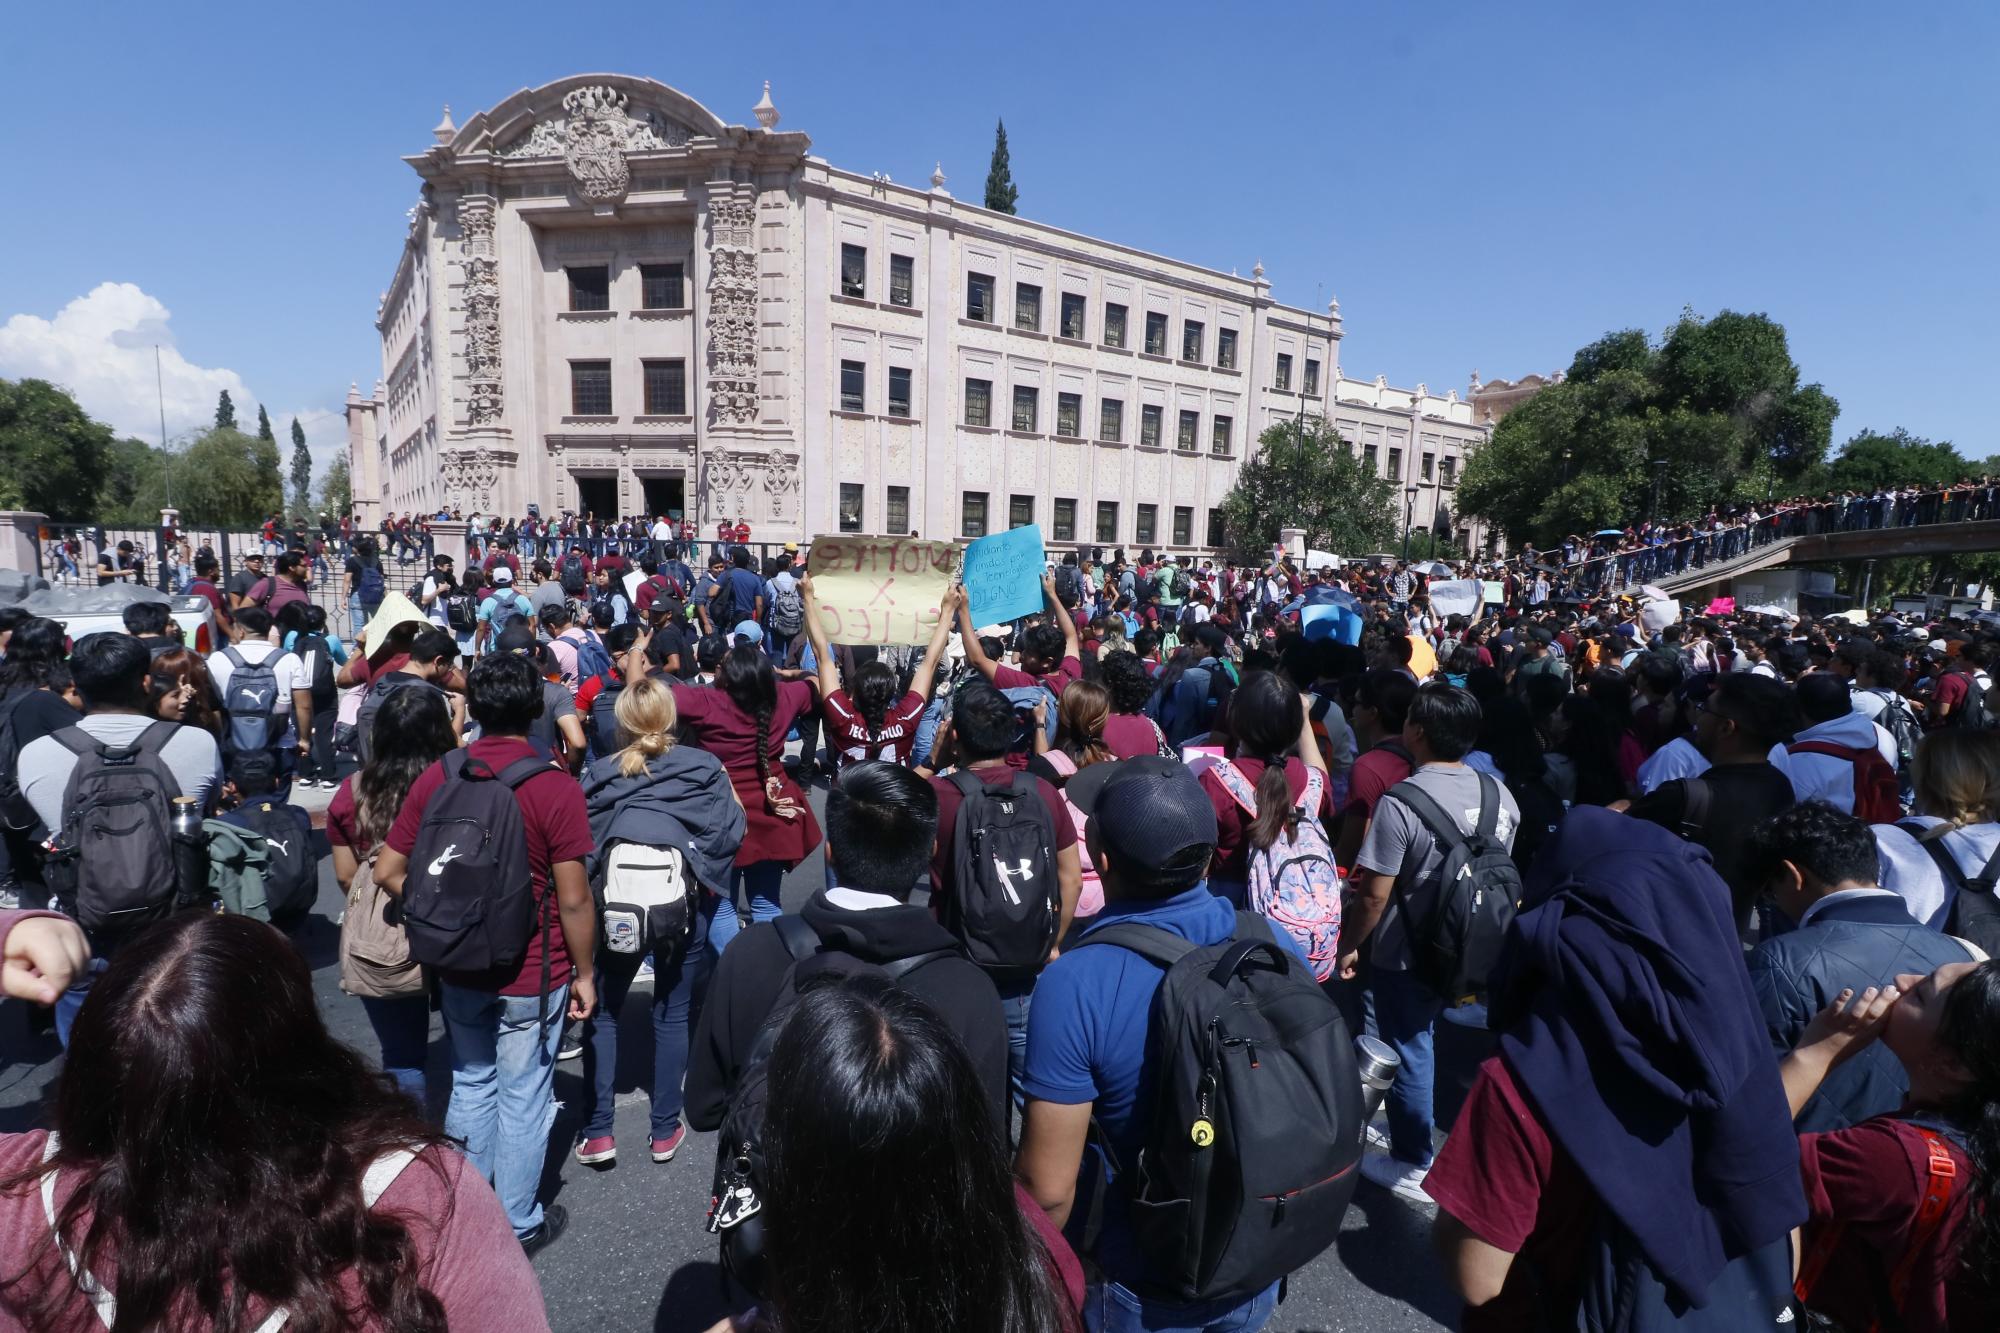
(375, 958)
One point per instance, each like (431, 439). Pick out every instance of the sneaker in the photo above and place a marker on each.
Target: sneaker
(664, 1149)
(1399, 1178)
(1375, 1136)
(645, 972)
(572, 1045)
(597, 1151)
(554, 1219)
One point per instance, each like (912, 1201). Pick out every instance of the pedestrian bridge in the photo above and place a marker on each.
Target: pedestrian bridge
(1835, 547)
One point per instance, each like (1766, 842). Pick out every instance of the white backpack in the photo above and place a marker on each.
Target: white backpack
(643, 890)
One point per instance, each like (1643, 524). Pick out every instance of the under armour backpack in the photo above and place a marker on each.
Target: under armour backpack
(736, 1199)
(1248, 1161)
(250, 700)
(1457, 918)
(291, 871)
(469, 901)
(788, 608)
(1006, 902)
(574, 577)
(1878, 798)
(1293, 882)
(1975, 912)
(113, 863)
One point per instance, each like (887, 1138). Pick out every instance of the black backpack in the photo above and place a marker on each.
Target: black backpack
(1975, 911)
(250, 703)
(574, 580)
(315, 652)
(291, 871)
(1896, 719)
(603, 611)
(16, 815)
(1979, 712)
(461, 612)
(371, 704)
(1069, 585)
(736, 1198)
(469, 902)
(722, 609)
(1006, 903)
(604, 716)
(1249, 1157)
(1457, 919)
(112, 867)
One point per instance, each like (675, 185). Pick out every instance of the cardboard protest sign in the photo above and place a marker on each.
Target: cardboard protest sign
(1496, 592)
(632, 582)
(1003, 575)
(1656, 615)
(1459, 597)
(880, 589)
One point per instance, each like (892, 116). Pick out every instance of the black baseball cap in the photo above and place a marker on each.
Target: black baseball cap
(1147, 811)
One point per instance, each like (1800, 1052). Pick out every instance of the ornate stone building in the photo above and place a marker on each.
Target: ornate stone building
(611, 300)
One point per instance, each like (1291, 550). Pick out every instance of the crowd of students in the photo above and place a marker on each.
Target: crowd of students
(1108, 894)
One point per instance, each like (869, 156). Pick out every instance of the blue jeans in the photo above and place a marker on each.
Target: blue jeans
(402, 1025)
(1112, 1308)
(503, 1096)
(762, 879)
(1400, 1010)
(678, 976)
(1014, 997)
(71, 1000)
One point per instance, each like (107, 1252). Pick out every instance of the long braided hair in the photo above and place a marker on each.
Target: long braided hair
(747, 678)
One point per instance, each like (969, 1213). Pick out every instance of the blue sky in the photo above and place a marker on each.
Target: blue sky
(1482, 186)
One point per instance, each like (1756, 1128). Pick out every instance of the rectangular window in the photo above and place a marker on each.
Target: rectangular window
(589, 288)
(1284, 376)
(1225, 348)
(1430, 465)
(1190, 424)
(979, 297)
(1395, 465)
(1368, 455)
(1114, 325)
(1110, 420)
(1072, 315)
(1027, 406)
(1064, 527)
(853, 386)
(1312, 376)
(902, 280)
(972, 514)
(1069, 414)
(1448, 470)
(899, 391)
(850, 506)
(1027, 306)
(1183, 525)
(1020, 510)
(590, 388)
(899, 510)
(1219, 436)
(1156, 335)
(1191, 331)
(1142, 532)
(1215, 533)
(979, 402)
(1107, 520)
(662, 287)
(666, 388)
(854, 271)
(1149, 426)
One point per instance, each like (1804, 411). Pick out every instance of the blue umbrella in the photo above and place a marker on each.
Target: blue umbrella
(1331, 613)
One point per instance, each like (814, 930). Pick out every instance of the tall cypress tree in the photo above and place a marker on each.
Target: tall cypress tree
(302, 472)
(264, 425)
(225, 412)
(1000, 193)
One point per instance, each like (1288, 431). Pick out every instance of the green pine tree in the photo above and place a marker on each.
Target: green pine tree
(1000, 192)
(225, 412)
(264, 425)
(302, 472)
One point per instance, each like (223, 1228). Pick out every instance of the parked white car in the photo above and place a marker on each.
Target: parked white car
(83, 611)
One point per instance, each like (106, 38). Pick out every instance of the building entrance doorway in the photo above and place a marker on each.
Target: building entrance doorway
(599, 496)
(666, 494)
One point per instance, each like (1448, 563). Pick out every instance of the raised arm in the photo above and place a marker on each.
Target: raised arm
(974, 654)
(926, 673)
(827, 669)
(1071, 648)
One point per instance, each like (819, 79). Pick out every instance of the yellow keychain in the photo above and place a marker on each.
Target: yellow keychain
(1203, 1133)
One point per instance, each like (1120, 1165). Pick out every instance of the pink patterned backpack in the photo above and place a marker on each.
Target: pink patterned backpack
(1293, 882)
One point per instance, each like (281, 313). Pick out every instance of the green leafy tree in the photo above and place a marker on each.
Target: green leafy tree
(225, 412)
(1713, 413)
(1871, 459)
(52, 455)
(302, 471)
(336, 488)
(228, 479)
(264, 425)
(1000, 192)
(1306, 476)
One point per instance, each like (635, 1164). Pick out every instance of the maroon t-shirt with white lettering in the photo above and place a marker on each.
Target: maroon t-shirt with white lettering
(849, 732)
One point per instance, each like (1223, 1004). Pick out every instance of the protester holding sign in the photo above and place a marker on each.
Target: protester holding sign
(866, 720)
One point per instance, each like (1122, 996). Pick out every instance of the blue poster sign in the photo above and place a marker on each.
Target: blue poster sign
(1003, 575)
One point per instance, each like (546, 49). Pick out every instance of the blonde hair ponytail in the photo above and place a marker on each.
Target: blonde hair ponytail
(646, 720)
(1956, 775)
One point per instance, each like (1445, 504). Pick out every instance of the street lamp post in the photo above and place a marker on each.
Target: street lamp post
(1659, 475)
(1409, 508)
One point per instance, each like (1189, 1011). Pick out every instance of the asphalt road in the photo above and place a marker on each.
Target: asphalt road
(636, 1256)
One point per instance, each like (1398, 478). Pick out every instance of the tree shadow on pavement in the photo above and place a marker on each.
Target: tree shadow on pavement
(1392, 1255)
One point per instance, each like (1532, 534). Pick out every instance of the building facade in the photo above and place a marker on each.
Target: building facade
(609, 300)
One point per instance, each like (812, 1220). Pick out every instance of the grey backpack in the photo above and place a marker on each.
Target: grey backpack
(113, 865)
(251, 702)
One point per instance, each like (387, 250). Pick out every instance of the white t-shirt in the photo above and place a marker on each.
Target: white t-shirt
(289, 670)
(1907, 868)
(1679, 758)
(191, 755)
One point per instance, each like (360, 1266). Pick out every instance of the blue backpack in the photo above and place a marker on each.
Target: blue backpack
(592, 659)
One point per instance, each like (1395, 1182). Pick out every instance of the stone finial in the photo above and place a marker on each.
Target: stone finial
(1257, 271)
(937, 176)
(1423, 389)
(1475, 379)
(1333, 306)
(353, 391)
(446, 131)
(766, 111)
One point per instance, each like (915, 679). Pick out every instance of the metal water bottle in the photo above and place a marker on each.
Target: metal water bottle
(1379, 1065)
(190, 853)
